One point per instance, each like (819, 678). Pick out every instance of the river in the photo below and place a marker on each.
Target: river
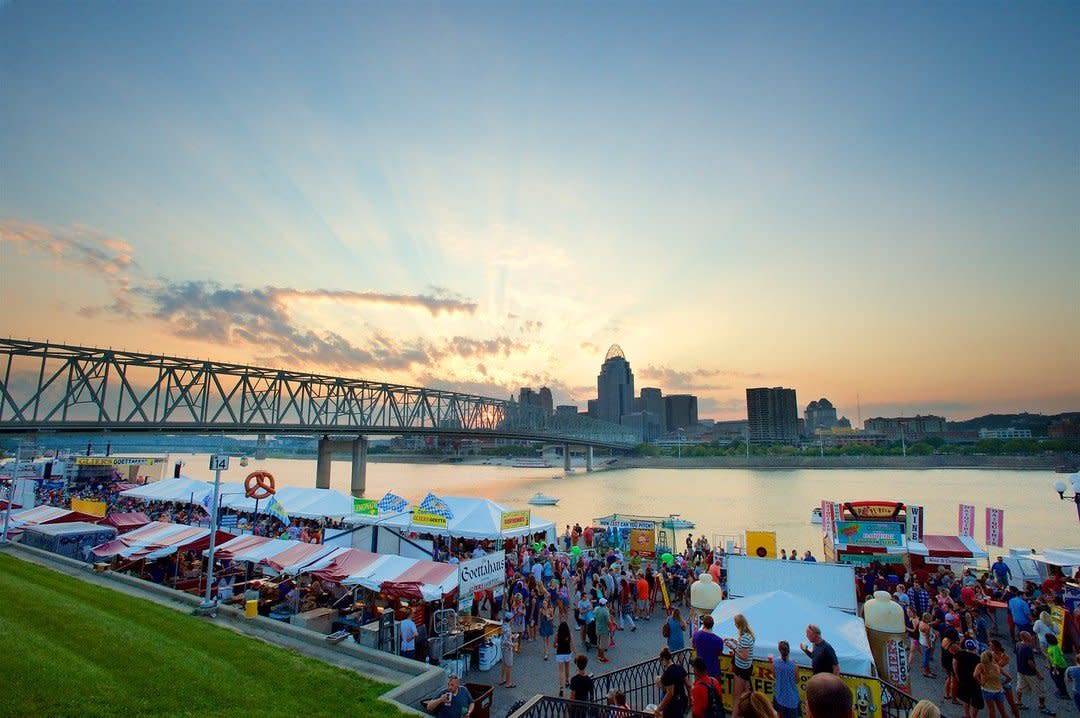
(720, 501)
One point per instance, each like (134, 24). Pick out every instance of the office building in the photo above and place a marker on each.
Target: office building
(649, 427)
(566, 410)
(614, 387)
(910, 428)
(652, 401)
(680, 411)
(546, 401)
(1004, 434)
(772, 415)
(820, 414)
(541, 399)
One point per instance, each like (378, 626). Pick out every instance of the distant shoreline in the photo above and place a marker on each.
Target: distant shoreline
(947, 461)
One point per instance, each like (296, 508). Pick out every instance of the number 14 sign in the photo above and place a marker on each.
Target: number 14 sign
(219, 462)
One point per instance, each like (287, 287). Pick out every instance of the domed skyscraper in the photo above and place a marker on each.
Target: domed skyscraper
(614, 386)
(820, 414)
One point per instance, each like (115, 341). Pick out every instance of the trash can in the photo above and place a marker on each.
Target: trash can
(251, 609)
(482, 696)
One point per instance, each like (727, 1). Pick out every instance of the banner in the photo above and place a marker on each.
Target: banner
(368, 507)
(870, 533)
(995, 527)
(643, 543)
(480, 574)
(516, 520)
(113, 461)
(865, 559)
(762, 544)
(828, 520)
(426, 518)
(866, 692)
(1057, 617)
(914, 528)
(966, 521)
(94, 508)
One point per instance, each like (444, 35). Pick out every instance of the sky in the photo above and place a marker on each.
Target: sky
(871, 202)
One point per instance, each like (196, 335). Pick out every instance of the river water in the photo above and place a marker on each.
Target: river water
(720, 501)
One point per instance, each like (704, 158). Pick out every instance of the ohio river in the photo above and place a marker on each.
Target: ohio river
(722, 502)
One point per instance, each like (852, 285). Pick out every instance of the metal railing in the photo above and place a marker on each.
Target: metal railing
(550, 707)
(895, 702)
(638, 682)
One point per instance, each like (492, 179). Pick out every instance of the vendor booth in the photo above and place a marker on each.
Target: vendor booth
(300, 502)
(158, 540)
(779, 615)
(635, 535)
(939, 550)
(74, 540)
(42, 515)
(124, 522)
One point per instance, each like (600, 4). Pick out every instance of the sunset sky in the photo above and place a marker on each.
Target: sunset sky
(851, 199)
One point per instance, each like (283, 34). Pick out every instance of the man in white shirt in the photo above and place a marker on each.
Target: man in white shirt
(408, 637)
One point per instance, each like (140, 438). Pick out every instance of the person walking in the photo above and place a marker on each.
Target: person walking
(1001, 658)
(674, 684)
(675, 631)
(547, 624)
(965, 662)
(602, 617)
(1030, 678)
(1058, 665)
(785, 688)
(564, 652)
(927, 637)
(822, 655)
(506, 643)
(991, 679)
(742, 651)
(1073, 676)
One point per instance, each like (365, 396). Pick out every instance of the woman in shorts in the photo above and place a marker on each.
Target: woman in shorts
(992, 681)
(742, 650)
(564, 651)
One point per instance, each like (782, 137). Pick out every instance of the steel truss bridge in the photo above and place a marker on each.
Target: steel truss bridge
(63, 388)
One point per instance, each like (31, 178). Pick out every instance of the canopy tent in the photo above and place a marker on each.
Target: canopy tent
(247, 548)
(779, 615)
(941, 547)
(184, 490)
(407, 577)
(471, 518)
(157, 540)
(1058, 557)
(341, 564)
(46, 515)
(305, 503)
(296, 556)
(126, 521)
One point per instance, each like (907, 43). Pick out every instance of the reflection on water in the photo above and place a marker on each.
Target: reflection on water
(719, 501)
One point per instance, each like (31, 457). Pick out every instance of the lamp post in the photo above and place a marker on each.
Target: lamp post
(1074, 480)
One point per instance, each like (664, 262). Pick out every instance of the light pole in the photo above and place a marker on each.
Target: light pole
(217, 463)
(1074, 480)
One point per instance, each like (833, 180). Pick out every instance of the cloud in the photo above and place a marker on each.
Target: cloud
(435, 303)
(697, 379)
(76, 247)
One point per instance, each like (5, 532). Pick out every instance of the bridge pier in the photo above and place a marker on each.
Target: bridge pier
(260, 448)
(358, 477)
(588, 458)
(322, 467)
(566, 457)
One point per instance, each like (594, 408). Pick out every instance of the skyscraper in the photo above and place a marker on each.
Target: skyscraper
(546, 401)
(680, 411)
(652, 401)
(773, 415)
(820, 414)
(614, 387)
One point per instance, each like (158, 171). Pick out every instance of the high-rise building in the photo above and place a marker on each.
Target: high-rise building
(652, 401)
(906, 427)
(773, 415)
(820, 414)
(546, 401)
(680, 411)
(566, 410)
(614, 387)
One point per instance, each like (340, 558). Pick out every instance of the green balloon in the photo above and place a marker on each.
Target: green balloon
(538, 547)
(668, 559)
(575, 550)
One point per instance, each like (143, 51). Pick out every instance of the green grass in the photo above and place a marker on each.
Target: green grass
(69, 648)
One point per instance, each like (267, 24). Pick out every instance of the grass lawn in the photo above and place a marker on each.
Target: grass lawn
(69, 648)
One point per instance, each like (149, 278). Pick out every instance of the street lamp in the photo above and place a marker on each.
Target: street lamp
(1059, 486)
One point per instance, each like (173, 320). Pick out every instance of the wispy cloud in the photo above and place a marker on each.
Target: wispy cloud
(75, 246)
(438, 302)
(700, 379)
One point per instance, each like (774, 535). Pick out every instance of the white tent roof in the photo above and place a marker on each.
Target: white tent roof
(474, 518)
(181, 490)
(779, 615)
(306, 503)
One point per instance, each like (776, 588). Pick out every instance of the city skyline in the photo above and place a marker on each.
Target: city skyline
(868, 203)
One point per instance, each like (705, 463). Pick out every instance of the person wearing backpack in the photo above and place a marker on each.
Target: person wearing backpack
(706, 697)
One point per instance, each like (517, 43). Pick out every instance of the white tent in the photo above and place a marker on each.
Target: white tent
(781, 616)
(473, 518)
(181, 490)
(306, 503)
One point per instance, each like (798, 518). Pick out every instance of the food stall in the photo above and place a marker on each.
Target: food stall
(865, 532)
(641, 536)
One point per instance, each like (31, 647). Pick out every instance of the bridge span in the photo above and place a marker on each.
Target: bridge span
(65, 388)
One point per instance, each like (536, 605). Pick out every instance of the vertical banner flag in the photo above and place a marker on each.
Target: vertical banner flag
(995, 527)
(914, 523)
(828, 521)
(966, 522)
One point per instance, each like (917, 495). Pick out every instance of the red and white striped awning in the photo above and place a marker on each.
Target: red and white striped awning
(158, 539)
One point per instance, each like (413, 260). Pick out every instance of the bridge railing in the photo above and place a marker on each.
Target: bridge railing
(65, 387)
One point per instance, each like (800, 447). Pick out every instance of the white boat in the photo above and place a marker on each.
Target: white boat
(674, 522)
(540, 499)
(530, 463)
(559, 476)
(815, 516)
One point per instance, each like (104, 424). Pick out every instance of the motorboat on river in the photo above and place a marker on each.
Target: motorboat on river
(540, 499)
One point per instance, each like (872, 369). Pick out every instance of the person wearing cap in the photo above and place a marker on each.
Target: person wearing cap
(968, 690)
(602, 616)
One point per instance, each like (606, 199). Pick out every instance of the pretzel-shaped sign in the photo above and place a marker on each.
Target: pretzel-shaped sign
(259, 485)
